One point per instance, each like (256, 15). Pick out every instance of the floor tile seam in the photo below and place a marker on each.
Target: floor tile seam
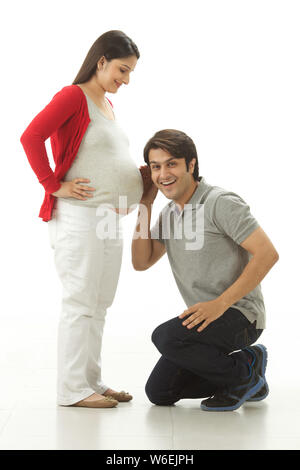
(6, 423)
(253, 437)
(109, 436)
(173, 427)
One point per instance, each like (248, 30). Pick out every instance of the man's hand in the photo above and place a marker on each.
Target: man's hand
(150, 190)
(206, 312)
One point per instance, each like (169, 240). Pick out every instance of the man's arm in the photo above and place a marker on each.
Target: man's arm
(144, 250)
(263, 259)
(264, 256)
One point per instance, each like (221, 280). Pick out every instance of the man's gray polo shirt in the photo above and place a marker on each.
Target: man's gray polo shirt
(203, 247)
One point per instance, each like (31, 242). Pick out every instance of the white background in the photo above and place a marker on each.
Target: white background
(225, 72)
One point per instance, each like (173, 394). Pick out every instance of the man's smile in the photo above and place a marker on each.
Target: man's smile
(168, 183)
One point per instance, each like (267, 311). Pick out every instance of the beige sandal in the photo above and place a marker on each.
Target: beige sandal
(105, 402)
(120, 396)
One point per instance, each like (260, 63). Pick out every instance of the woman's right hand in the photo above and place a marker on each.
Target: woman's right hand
(75, 189)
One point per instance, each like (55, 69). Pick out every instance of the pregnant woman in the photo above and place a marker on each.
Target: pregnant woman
(93, 169)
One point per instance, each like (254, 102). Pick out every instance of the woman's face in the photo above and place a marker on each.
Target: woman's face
(113, 74)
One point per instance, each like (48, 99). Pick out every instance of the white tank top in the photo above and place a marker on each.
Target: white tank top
(104, 158)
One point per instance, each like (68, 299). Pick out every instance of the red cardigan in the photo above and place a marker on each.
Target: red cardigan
(65, 120)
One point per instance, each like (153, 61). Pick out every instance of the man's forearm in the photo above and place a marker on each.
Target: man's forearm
(253, 274)
(141, 247)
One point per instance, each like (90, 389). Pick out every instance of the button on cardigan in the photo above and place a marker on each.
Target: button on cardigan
(65, 120)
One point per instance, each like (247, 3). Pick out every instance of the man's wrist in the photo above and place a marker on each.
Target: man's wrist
(148, 204)
(224, 302)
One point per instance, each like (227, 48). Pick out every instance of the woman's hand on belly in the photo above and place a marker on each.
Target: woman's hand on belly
(75, 189)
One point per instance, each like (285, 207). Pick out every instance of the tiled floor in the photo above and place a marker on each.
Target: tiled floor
(30, 418)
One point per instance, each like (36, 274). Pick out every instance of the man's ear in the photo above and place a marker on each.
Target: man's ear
(192, 165)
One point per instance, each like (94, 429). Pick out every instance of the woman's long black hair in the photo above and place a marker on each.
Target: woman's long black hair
(112, 45)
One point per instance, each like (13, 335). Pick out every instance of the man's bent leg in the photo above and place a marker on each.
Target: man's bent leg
(169, 383)
(207, 354)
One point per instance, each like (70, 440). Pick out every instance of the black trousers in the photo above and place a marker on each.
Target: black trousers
(197, 365)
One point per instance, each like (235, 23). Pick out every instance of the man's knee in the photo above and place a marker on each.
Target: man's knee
(158, 397)
(158, 334)
(163, 335)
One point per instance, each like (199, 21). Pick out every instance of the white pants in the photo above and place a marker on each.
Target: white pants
(88, 266)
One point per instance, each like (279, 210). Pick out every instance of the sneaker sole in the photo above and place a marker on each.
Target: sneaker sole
(251, 391)
(263, 370)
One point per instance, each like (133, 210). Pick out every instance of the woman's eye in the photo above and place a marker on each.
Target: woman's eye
(123, 71)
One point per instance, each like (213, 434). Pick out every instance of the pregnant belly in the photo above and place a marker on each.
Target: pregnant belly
(117, 183)
(130, 189)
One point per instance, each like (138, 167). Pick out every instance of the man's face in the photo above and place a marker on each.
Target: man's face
(170, 175)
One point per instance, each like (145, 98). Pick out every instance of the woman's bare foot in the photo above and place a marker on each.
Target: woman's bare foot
(109, 391)
(94, 396)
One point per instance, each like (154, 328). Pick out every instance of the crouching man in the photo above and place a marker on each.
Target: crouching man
(219, 255)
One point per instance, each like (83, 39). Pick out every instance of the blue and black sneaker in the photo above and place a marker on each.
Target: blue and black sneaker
(232, 398)
(259, 363)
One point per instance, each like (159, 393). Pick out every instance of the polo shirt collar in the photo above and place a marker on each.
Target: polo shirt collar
(198, 192)
(196, 197)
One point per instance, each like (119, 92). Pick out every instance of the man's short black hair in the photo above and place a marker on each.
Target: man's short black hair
(177, 144)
